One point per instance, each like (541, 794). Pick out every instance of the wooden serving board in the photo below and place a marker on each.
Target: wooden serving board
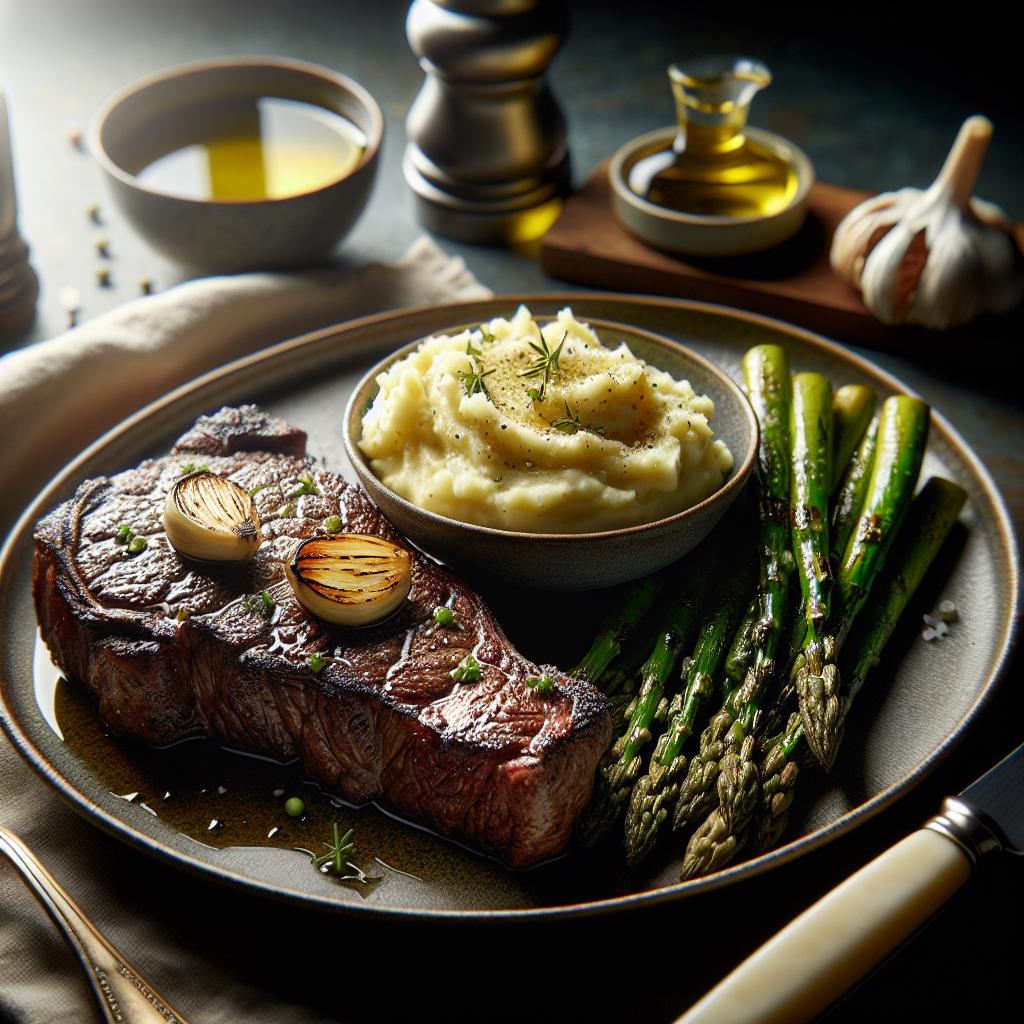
(793, 282)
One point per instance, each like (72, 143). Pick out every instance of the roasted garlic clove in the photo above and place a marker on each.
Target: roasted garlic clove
(351, 579)
(937, 257)
(212, 519)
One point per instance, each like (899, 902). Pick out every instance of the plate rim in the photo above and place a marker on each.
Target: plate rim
(819, 838)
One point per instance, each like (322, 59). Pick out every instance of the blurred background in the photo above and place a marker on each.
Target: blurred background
(874, 97)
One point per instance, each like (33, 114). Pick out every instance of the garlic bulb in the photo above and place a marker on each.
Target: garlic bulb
(351, 579)
(212, 519)
(936, 257)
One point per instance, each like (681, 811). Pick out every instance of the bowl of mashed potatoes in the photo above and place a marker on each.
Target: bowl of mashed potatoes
(549, 452)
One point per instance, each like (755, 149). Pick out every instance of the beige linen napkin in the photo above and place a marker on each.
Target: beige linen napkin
(190, 938)
(57, 396)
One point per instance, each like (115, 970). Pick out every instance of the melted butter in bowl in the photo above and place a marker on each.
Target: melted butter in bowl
(551, 453)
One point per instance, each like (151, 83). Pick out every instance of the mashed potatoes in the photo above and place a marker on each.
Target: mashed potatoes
(541, 429)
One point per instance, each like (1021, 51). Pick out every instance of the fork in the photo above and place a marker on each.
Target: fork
(124, 996)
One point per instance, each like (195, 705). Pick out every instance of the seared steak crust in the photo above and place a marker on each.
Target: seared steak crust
(171, 648)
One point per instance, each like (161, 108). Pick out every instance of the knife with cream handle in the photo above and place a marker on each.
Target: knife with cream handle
(800, 972)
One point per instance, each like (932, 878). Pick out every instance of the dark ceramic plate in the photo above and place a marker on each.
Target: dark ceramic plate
(919, 704)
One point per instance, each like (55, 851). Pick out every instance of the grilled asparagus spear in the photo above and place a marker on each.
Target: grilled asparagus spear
(849, 499)
(902, 435)
(853, 405)
(737, 784)
(633, 604)
(768, 385)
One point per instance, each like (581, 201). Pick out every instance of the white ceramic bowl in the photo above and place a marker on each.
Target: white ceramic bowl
(227, 235)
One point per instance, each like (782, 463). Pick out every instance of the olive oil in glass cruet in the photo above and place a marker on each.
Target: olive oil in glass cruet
(711, 168)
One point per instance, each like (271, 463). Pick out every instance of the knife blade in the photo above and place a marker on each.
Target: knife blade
(803, 969)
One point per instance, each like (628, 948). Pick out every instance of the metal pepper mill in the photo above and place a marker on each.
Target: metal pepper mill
(19, 286)
(486, 158)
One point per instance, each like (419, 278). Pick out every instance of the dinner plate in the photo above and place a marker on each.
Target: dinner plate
(185, 804)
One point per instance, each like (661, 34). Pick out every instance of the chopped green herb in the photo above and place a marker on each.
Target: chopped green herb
(486, 334)
(287, 511)
(338, 851)
(316, 663)
(124, 534)
(542, 686)
(253, 491)
(137, 545)
(332, 524)
(473, 378)
(471, 349)
(260, 603)
(305, 486)
(467, 671)
(444, 617)
(191, 467)
(569, 424)
(537, 394)
(294, 807)
(183, 613)
(545, 364)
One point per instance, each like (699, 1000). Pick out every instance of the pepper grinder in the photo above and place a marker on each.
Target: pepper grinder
(19, 286)
(486, 157)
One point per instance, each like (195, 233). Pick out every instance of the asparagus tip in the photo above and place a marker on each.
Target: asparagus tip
(820, 710)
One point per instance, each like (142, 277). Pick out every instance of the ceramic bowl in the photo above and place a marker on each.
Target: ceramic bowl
(574, 561)
(695, 235)
(133, 128)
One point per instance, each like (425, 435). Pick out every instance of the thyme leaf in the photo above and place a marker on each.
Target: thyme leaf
(473, 379)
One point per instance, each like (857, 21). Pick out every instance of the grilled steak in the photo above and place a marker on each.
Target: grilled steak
(172, 648)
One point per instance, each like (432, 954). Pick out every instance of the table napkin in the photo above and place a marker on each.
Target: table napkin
(56, 397)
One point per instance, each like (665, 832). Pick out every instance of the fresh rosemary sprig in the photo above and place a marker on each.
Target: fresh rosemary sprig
(338, 851)
(544, 365)
(569, 424)
(473, 378)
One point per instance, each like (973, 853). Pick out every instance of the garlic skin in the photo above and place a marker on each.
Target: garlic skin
(936, 257)
(350, 579)
(212, 519)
